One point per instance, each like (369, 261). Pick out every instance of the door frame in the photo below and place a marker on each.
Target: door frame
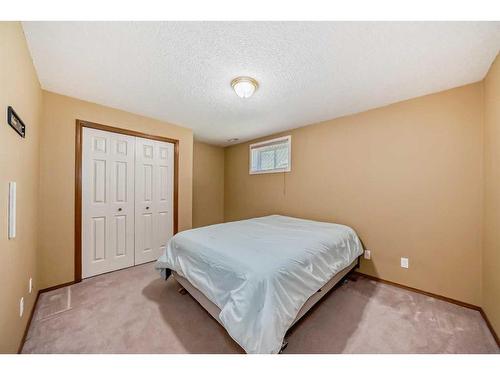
(80, 124)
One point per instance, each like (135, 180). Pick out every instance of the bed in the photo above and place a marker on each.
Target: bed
(258, 277)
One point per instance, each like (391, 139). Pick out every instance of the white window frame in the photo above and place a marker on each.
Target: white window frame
(288, 138)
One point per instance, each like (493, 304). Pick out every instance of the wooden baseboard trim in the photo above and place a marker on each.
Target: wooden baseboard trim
(437, 296)
(49, 289)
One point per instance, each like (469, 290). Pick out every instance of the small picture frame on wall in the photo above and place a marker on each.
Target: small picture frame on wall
(15, 122)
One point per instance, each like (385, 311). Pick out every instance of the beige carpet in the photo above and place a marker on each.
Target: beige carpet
(134, 311)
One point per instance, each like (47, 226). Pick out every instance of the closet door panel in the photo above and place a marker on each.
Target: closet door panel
(165, 194)
(107, 201)
(98, 238)
(154, 182)
(121, 235)
(144, 199)
(99, 181)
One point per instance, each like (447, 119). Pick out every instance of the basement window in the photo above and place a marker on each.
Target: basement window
(272, 156)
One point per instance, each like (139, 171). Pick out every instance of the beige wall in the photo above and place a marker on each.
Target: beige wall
(491, 247)
(57, 175)
(208, 184)
(20, 89)
(407, 177)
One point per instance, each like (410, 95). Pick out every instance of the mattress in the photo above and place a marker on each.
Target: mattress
(260, 272)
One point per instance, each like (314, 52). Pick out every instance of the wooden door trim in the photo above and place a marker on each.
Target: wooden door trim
(80, 124)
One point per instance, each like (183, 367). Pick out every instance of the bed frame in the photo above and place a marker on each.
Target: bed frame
(213, 310)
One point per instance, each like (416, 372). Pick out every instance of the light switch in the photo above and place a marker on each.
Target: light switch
(12, 210)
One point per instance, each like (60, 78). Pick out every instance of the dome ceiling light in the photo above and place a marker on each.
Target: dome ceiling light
(244, 87)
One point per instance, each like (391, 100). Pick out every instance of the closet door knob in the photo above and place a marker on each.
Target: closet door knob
(119, 209)
(147, 208)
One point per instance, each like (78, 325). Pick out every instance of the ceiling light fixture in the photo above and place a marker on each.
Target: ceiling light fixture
(244, 87)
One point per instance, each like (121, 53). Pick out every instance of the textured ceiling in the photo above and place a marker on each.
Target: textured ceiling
(180, 72)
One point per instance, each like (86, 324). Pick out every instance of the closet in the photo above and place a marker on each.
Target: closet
(127, 200)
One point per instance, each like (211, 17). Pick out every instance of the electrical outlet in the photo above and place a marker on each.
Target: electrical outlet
(21, 307)
(405, 262)
(30, 285)
(368, 254)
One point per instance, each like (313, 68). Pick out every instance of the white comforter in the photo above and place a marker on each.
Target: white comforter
(261, 271)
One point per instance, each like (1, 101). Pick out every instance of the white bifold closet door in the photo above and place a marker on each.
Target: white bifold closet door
(127, 200)
(154, 161)
(108, 163)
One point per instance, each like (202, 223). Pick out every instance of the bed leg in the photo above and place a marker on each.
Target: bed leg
(182, 291)
(283, 346)
(167, 274)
